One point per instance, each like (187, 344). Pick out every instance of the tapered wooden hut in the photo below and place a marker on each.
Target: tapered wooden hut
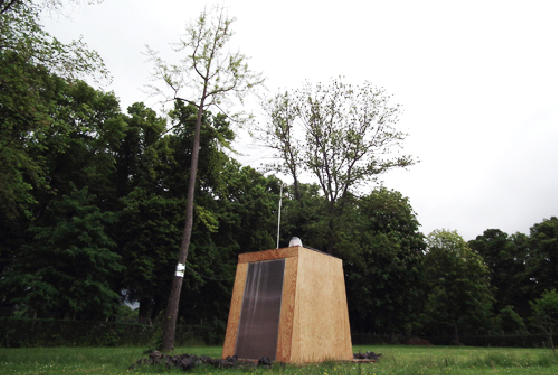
(289, 305)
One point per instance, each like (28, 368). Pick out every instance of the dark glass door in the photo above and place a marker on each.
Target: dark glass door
(258, 328)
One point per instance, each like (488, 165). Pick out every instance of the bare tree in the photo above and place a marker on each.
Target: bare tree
(279, 135)
(204, 77)
(346, 137)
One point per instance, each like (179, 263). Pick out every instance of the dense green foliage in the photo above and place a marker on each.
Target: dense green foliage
(387, 258)
(92, 214)
(459, 292)
(545, 313)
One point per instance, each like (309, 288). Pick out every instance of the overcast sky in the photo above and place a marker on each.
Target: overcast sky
(477, 80)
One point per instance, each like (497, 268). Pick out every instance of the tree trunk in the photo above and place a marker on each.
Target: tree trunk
(296, 192)
(551, 342)
(145, 310)
(171, 313)
(455, 335)
(331, 231)
(330, 239)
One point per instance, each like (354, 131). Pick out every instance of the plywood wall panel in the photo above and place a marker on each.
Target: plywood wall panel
(234, 311)
(286, 320)
(321, 331)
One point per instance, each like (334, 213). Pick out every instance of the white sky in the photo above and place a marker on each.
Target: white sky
(477, 80)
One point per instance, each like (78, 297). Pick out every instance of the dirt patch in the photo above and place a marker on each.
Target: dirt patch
(366, 357)
(187, 361)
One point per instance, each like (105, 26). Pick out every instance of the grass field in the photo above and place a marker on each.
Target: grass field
(396, 360)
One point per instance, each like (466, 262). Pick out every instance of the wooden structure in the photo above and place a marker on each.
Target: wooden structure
(310, 317)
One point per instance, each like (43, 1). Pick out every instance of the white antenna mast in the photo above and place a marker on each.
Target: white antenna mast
(279, 211)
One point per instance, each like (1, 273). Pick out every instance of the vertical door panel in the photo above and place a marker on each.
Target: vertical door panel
(258, 328)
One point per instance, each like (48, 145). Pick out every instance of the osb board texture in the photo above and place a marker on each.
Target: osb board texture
(321, 329)
(286, 319)
(234, 311)
(287, 252)
(314, 320)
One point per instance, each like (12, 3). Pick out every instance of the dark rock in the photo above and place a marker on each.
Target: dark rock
(367, 356)
(265, 362)
(224, 363)
(187, 364)
(156, 356)
(359, 355)
(372, 355)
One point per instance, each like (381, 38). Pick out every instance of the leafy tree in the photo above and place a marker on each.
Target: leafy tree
(545, 314)
(304, 217)
(21, 33)
(139, 151)
(510, 321)
(542, 265)
(126, 314)
(247, 210)
(44, 119)
(245, 213)
(22, 129)
(91, 129)
(148, 230)
(506, 260)
(7, 6)
(280, 135)
(151, 220)
(458, 283)
(214, 73)
(69, 269)
(387, 260)
(527, 289)
(31, 62)
(348, 136)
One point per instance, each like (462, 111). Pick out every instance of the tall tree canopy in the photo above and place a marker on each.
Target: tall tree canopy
(21, 32)
(542, 264)
(57, 140)
(458, 282)
(344, 135)
(387, 260)
(69, 269)
(506, 259)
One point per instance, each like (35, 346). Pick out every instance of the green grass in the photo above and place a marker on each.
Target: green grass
(396, 360)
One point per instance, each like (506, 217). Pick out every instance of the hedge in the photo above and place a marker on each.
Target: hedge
(519, 341)
(19, 332)
(16, 333)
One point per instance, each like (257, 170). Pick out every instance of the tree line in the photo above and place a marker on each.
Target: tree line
(92, 205)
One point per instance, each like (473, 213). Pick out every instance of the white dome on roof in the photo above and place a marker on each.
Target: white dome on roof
(295, 241)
